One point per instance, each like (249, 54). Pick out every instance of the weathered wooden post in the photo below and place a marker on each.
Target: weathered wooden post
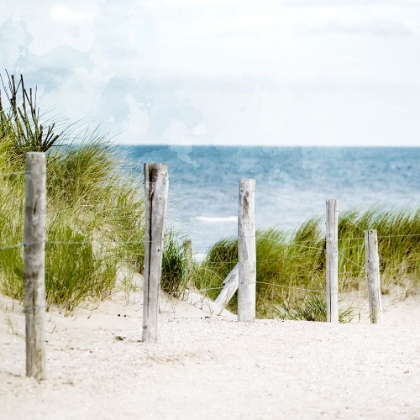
(246, 251)
(332, 260)
(231, 283)
(188, 255)
(34, 265)
(187, 247)
(373, 276)
(156, 193)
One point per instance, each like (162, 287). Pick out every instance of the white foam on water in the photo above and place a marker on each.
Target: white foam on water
(228, 219)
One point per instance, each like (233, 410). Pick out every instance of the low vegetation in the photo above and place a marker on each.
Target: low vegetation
(94, 212)
(95, 223)
(291, 269)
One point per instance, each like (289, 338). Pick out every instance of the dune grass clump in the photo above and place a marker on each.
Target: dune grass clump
(284, 267)
(291, 268)
(398, 246)
(94, 212)
(92, 225)
(177, 265)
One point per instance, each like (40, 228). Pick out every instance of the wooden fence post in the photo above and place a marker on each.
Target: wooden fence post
(231, 283)
(187, 247)
(156, 192)
(188, 255)
(373, 276)
(332, 260)
(246, 251)
(34, 265)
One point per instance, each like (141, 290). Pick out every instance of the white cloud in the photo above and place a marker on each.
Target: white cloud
(138, 120)
(199, 130)
(201, 2)
(176, 133)
(62, 14)
(368, 19)
(322, 65)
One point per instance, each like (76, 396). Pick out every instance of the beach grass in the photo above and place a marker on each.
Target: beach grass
(93, 219)
(94, 211)
(95, 223)
(291, 268)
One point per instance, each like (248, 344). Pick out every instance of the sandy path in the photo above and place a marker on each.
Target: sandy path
(209, 368)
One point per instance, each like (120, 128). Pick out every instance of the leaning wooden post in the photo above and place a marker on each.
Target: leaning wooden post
(246, 251)
(373, 276)
(34, 265)
(332, 260)
(156, 192)
(230, 286)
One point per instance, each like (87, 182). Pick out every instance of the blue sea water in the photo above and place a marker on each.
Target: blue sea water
(292, 183)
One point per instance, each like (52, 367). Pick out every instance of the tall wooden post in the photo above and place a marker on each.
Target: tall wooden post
(156, 193)
(34, 265)
(373, 276)
(332, 261)
(246, 251)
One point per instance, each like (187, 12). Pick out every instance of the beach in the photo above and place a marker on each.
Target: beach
(206, 365)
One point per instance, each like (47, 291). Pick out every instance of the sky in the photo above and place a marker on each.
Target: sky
(224, 72)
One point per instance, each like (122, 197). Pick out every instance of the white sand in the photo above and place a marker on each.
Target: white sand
(212, 368)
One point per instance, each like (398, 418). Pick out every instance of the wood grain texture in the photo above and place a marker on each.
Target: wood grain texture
(246, 251)
(332, 261)
(34, 265)
(231, 284)
(373, 276)
(156, 193)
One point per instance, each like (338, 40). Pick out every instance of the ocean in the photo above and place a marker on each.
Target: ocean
(292, 184)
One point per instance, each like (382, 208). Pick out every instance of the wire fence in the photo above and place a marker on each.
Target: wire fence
(207, 239)
(287, 244)
(14, 173)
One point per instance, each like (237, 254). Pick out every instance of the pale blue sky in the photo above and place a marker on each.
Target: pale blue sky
(275, 72)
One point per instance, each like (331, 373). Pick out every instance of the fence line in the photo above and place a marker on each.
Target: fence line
(289, 199)
(256, 191)
(283, 286)
(14, 173)
(117, 242)
(399, 236)
(227, 193)
(291, 287)
(290, 243)
(350, 247)
(360, 266)
(12, 246)
(261, 260)
(234, 194)
(156, 191)
(210, 288)
(269, 284)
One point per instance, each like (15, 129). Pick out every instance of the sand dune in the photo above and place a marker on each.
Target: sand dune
(208, 366)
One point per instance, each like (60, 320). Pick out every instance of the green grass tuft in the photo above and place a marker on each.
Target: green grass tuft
(291, 269)
(95, 213)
